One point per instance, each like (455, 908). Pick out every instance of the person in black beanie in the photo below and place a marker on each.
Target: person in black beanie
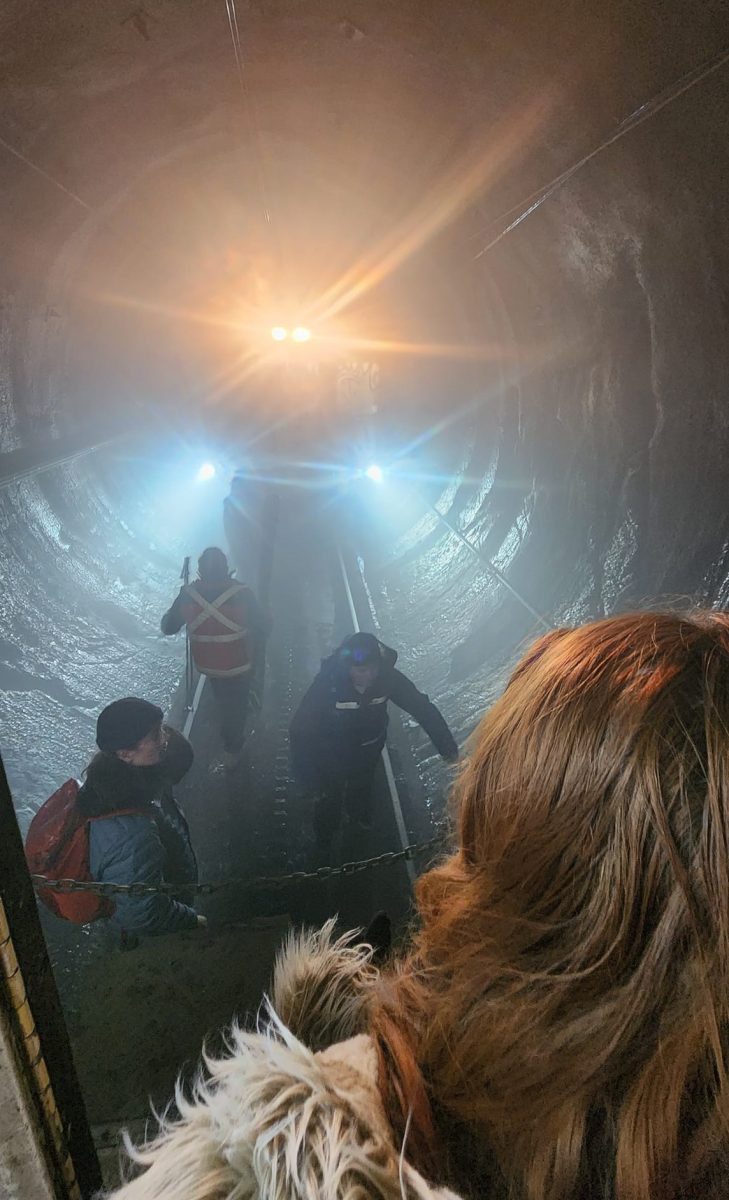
(137, 831)
(339, 730)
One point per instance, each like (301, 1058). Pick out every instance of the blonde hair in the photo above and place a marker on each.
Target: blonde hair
(566, 1000)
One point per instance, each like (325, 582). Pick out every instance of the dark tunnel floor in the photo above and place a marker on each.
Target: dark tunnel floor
(150, 1009)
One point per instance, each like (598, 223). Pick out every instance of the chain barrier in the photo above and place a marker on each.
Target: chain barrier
(269, 883)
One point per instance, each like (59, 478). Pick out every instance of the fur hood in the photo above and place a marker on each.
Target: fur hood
(278, 1119)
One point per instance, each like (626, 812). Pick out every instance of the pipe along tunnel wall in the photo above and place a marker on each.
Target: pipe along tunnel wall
(578, 437)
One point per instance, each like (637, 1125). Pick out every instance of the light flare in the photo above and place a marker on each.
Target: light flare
(471, 177)
(466, 181)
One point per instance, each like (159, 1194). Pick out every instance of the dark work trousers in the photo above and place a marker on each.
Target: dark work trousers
(231, 700)
(352, 792)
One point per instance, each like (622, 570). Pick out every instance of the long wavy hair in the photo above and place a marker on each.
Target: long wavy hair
(566, 1002)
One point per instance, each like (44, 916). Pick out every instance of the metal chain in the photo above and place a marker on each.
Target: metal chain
(272, 883)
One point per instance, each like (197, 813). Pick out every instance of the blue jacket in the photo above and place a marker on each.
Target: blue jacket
(151, 845)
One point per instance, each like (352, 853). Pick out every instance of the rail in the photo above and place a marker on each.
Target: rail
(386, 760)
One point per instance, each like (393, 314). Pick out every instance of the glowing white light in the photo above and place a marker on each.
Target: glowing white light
(279, 333)
(206, 472)
(301, 334)
(375, 473)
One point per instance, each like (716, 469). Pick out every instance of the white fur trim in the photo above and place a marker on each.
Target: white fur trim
(275, 1122)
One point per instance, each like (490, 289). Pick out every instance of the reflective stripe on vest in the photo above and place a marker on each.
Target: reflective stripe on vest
(218, 654)
(218, 637)
(212, 609)
(219, 673)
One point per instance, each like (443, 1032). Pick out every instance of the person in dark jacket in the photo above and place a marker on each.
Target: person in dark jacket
(227, 633)
(339, 730)
(139, 761)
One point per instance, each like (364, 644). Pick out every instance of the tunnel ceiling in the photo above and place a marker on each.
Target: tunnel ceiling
(582, 416)
(371, 132)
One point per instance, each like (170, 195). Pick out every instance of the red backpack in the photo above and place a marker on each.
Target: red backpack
(57, 846)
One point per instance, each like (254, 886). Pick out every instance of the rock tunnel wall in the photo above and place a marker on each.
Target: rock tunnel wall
(590, 462)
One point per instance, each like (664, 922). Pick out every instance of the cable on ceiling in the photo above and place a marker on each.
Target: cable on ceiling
(249, 105)
(45, 175)
(647, 110)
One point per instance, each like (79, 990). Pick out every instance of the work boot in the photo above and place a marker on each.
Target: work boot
(233, 758)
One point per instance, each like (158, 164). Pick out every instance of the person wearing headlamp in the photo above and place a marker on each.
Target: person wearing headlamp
(339, 730)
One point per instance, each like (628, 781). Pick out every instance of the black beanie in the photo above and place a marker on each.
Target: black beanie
(359, 649)
(122, 724)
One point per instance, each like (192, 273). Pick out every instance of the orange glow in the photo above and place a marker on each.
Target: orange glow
(460, 187)
(237, 292)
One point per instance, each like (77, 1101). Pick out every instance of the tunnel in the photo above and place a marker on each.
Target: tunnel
(503, 225)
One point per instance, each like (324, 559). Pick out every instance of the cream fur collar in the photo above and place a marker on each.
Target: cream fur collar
(275, 1120)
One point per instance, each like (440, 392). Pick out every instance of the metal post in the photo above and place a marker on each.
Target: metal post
(33, 1013)
(185, 577)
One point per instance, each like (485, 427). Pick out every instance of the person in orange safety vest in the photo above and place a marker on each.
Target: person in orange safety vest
(227, 632)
